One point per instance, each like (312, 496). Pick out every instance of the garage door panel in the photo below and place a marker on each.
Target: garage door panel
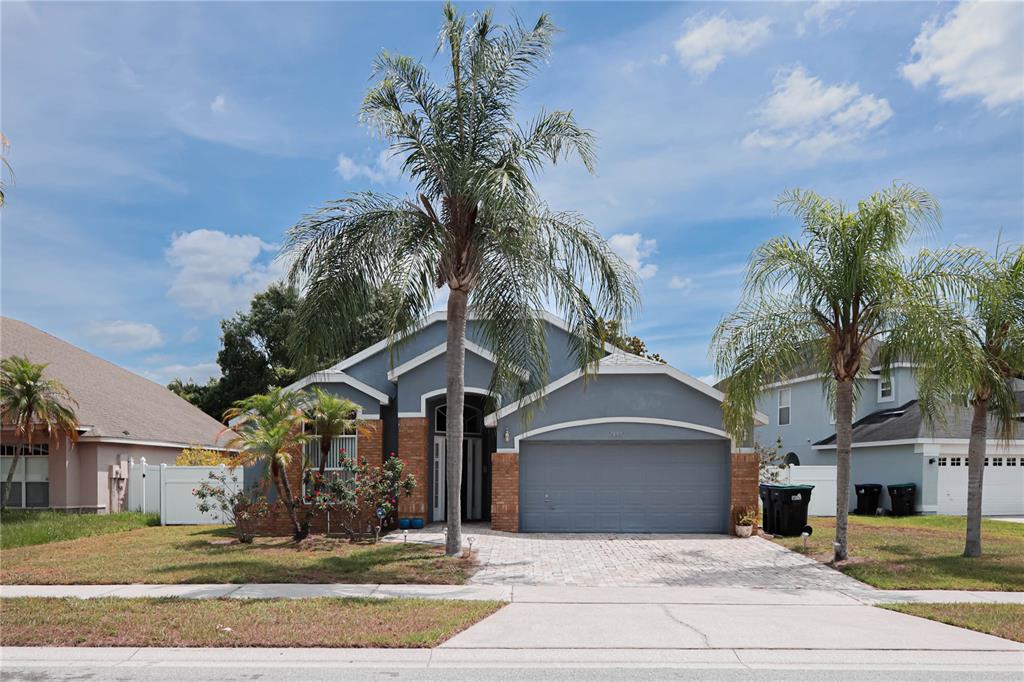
(624, 487)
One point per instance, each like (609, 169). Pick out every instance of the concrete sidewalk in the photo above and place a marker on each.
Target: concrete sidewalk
(524, 593)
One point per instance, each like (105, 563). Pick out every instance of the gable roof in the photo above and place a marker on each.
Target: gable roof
(618, 362)
(440, 350)
(327, 376)
(113, 403)
(906, 422)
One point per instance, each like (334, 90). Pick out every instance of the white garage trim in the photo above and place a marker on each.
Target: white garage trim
(441, 391)
(613, 420)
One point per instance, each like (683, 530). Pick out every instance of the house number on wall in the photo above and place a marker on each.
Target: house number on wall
(615, 434)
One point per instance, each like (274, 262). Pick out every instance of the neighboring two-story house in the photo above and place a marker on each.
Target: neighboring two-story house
(893, 443)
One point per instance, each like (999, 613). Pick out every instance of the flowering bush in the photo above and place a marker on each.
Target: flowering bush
(241, 508)
(364, 498)
(198, 456)
(769, 462)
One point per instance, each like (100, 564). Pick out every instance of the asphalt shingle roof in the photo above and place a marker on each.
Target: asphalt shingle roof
(114, 402)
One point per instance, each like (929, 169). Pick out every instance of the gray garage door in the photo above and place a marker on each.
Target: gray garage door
(624, 487)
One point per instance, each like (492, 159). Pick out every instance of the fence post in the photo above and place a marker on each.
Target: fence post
(163, 494)
(142, 463)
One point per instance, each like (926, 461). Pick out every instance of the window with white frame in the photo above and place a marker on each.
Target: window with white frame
(342, 448)
(885, 390)
(785, 405)
(942, 461)
(1011, 461)
(954, 461)
(30, 485)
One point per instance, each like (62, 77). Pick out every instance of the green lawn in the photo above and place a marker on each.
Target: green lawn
(922, 552)
(323, 622)
(198, 554)
(1001, 620)
(20, 528)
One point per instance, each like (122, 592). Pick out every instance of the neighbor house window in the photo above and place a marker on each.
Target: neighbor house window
(885, 393)
(785, 405)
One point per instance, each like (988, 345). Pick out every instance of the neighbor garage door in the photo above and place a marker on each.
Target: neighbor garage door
(623, 487)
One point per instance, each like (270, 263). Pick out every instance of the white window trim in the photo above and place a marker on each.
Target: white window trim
(789, 405)
(892, 389)
(472, 390)
(613, 420)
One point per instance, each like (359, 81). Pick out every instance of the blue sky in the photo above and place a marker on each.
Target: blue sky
(161, 150)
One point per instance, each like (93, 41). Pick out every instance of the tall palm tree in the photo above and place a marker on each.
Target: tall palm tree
(29, 401)
(476, 225)
(981, 353)
(5, 165)
(329, 416)
(826, 300)
(268, 428)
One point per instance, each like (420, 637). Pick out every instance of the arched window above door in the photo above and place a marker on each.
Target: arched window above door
(472, 420)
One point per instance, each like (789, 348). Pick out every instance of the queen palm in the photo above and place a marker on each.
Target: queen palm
(828, 299)
(268, 429)
(475, 226)
(981, 353)
(28, 402)
(329, 416)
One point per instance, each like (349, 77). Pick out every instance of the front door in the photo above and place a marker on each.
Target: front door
(472, 479)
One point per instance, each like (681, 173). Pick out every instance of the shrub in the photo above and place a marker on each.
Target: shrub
(364, 498)
(198, 456)
(769, 462)
(237, 506)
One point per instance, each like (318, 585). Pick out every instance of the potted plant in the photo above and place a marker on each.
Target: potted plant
(745, 523)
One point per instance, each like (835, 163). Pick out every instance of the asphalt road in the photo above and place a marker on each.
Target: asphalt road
(717, 674)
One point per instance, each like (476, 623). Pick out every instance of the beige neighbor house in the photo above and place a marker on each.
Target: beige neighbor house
(122, 416)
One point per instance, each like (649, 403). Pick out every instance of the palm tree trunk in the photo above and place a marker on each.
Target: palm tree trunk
(10, 477)
(325, 451)
(976, 476)
(844, 439)
(458, 302)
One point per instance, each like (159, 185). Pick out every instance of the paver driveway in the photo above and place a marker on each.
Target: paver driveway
(609, 560)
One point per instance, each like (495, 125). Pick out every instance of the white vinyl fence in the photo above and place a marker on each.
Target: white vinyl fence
(823, 478)
(167, 491)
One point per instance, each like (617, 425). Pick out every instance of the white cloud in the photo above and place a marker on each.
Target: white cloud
(386, 167)
(706, 41)
(217, 273)
(974, 51)
(811, 117)
(200, 372)
(709, 379)
(191, 334)
(219, 104)
(123, 335)
(680, 283)
(825, 15)
(634, 249)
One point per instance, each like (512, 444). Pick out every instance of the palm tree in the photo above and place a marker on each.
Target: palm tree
(476, 224)
(981, 353)
(330, 416)
(827, 300)
(268, 428)
(29, 401)
(4, 166)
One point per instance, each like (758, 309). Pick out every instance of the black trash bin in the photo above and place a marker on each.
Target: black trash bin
(767, 513)
(902, 497)
(867, 498)
(786, 508)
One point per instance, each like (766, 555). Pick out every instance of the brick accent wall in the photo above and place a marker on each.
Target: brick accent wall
(415, 450)
(743, 485)
(505, 491)
(370, 442)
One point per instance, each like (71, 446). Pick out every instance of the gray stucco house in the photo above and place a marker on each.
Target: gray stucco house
(893, 443)
(637, 447)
